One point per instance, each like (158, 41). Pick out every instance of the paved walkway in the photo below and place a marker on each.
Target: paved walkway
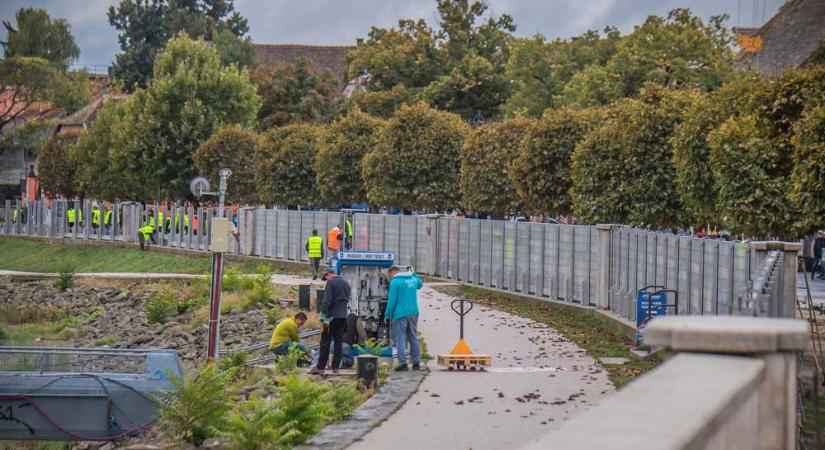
(817, 287)
(538, 380)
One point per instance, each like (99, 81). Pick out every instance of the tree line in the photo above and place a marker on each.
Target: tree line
(655, 128)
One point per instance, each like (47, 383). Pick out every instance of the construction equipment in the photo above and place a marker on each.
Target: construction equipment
(461, 357)
(366, 273)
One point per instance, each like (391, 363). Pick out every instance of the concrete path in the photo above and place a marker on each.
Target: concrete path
(817, 287)
(538, 380)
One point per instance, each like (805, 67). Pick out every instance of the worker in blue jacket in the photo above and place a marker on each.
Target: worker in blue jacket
(402, 310)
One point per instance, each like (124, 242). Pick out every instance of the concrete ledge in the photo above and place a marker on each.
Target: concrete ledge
(776, 245)
(728, 334)
(681, 404)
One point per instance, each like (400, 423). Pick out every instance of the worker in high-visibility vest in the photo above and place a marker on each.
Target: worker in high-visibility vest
(315, 251)
(334, 238)
(107, 219)
(95, 217)
(74, 216)
(348, 235)
(146, 232)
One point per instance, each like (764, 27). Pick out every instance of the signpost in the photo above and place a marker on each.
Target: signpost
(651, 302)
(219, 233)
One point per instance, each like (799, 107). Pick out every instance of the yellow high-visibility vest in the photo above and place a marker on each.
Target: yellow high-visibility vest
(314, 246)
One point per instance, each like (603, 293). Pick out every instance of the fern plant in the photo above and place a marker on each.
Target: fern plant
(251, 425)
(65, 276)
(304, 406)
(197, 409)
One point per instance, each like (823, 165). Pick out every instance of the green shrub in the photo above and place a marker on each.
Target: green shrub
(304, 406)
(416, 162)
(160, 306)
(198, 407)
(260, 294)
(345, 397)
(65, 276)
(285, 364)
(3, 335)
(251, 425)
(486, 159)
(232, 280)
(108, 340)
(274, 315)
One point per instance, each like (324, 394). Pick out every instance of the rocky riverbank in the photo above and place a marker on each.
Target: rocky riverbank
(96, 314)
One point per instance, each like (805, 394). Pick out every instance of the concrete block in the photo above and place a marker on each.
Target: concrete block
(727, 334)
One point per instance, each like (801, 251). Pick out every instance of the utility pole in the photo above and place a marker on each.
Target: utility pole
(218, 231)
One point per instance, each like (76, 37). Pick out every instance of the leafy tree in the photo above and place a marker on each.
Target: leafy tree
(808, 178)
(623, 171)
(474, 85)
(294, 93)
(234, 148)
(540, 171)
(191, 97)
(540, 70)
(415, 164)
(234, 49)
(593, 86)
(37, 35)
(754, 184)
(109, 160)
(695, 182)
(679, 49)
(343, 146)
(31, 80)
(285, 165)
(146, 25)
(464, 55)
(486, 159)
(379, 103)
(405, 56)
(56, 167)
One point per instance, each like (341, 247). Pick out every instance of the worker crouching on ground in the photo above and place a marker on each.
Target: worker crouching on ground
(315, 251)
(402, 310)
(333, 319)
(285, 337)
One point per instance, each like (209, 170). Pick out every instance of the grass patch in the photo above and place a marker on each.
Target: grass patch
(43, 256)
(597, 335)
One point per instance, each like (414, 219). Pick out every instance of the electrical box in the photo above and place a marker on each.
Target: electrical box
(219, 238)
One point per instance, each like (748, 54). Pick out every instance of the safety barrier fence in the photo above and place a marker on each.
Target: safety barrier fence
(602, 266)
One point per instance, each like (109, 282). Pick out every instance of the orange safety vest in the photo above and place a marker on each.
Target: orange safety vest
(332, 239)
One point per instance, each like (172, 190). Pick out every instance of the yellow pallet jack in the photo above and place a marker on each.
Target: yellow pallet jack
(462, 357)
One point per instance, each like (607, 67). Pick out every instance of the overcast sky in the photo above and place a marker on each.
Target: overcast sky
(341, 22)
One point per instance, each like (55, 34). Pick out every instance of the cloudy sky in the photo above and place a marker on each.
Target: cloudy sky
(340, 22)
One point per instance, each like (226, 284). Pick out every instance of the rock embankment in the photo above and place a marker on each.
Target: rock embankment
(117, 316)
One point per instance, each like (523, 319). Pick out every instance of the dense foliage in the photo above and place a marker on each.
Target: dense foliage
(344, 143)
(294, 93)
(415, 164)
(285, 166)
(541, 170)
(145, 27)
(56, 167)
(486, 159)
(234, 148)
(38, 35)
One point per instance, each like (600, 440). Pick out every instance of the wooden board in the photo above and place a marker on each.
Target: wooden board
(465, 360)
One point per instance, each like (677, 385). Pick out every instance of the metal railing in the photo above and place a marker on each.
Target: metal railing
(578, 264)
